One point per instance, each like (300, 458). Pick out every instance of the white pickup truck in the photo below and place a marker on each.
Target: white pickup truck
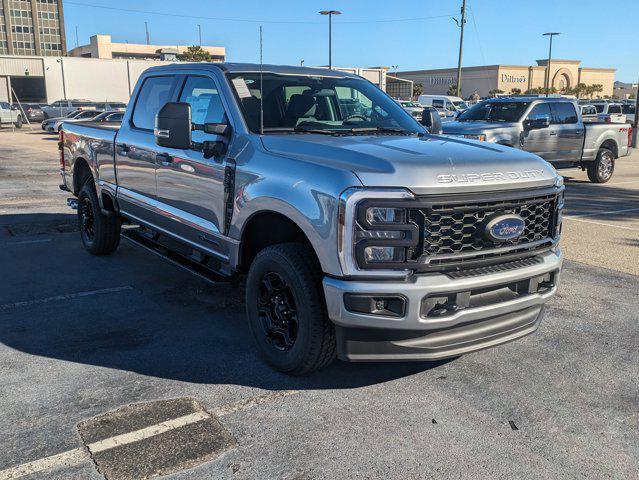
(10, 115)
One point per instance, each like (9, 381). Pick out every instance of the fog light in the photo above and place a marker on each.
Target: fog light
(383, 254)
(387, 305)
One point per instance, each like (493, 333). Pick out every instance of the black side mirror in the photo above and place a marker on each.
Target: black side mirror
(432, 121)
(536, 123)
(173, 126)
(217, 129)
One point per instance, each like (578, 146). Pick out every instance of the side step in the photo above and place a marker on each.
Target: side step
(206, 273)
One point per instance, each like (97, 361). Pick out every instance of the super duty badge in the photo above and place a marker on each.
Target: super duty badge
(489, 177)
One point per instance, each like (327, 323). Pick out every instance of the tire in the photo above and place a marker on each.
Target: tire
(100, 233)
(602, 169)
(18, 123)
(303, 341)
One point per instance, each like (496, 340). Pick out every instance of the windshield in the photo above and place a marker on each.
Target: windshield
(317, 104)
(460, 105)
(491, 111)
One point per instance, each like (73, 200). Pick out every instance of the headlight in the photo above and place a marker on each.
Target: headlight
(375, 232)
(480, 137)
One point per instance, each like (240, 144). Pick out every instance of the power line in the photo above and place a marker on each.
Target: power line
(481, 50)
(247, 20)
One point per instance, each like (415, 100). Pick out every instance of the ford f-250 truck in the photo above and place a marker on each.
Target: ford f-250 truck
(550, 127)
(360, 235)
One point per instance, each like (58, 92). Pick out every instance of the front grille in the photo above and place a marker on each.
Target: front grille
(453, 232)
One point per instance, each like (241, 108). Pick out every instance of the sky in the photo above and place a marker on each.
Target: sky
(401, 34)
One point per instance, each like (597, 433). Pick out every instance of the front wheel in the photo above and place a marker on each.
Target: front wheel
(601, 170)
(286, 310)
(100, 233)
(18, 123)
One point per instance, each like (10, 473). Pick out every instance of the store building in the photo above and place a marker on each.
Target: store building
(32, 27)
(101, 46)
(481, 80)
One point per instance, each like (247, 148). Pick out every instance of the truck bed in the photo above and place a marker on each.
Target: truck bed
(598, 133)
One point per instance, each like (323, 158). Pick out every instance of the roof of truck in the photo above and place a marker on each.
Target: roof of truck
(255, 67)
(526, 98)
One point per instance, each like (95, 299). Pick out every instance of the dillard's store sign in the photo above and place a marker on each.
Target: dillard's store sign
(506, 78)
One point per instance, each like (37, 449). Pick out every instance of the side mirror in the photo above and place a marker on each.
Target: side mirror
(535, 123)
(221, 129)
(173, 126)
(432, 121)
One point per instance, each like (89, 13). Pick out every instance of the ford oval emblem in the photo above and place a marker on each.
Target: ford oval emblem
(505, 227)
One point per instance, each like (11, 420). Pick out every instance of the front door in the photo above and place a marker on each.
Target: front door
(190, 188)
(539, 141)
(5, 112)
(135, 150)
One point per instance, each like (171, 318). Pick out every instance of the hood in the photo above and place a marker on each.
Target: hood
(427, 165)
(475, 127)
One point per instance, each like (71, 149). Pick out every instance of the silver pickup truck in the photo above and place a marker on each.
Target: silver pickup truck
(359, 235)
(550, 127)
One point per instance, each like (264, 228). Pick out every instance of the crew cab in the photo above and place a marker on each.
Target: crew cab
(550, 127)
(359, 235)
(10, 115)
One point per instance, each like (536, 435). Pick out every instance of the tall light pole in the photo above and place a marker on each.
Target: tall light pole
(330, 14)
(146, 30)
(461, 45)
(199, 32)
(547, 79)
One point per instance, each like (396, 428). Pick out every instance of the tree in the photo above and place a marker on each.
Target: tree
(494, 92)
(452, 90)
(418, 89)
(515, 91)
(195, 54)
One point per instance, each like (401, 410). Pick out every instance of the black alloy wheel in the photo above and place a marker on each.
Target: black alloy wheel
(277, 312)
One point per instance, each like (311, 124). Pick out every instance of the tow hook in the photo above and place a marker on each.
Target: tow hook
(73, 203)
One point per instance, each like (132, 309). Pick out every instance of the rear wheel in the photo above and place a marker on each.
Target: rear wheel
(18, 123)
(100, 233)
(601, 170)
(286, 310)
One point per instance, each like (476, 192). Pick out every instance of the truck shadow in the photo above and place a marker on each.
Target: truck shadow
(161, 322)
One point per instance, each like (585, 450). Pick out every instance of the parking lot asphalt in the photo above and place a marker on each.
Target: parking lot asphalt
(88, 346)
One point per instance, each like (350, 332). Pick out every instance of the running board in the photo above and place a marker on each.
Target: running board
(190, 265)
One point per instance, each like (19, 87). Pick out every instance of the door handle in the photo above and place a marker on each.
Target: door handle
(553, 133)
(164, 159)
(125, 149)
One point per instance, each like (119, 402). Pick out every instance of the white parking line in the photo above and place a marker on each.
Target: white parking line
(28, 242)
(603, 224)
(78, 455)
(69, 296)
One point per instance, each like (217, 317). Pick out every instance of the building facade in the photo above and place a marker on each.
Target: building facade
(482, 80)
(101, 46)
(32, 27)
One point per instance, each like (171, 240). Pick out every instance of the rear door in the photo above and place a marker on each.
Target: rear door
(135, 149)
(568, 132)
(191, 187)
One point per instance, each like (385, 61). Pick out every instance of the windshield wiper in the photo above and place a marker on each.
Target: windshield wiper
(316, 130)
(379, 130)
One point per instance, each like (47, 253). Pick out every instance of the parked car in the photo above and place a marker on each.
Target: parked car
(108, 117)
(414, 108)
(610, 112)
(33, 112)
(54, 125)
(110, 106)
(549, 127)
(9, 115)
(362, 237)
(449, 105)
(64, 107)
(589, 113)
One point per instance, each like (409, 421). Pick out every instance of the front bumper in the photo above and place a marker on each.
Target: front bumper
(492, 312)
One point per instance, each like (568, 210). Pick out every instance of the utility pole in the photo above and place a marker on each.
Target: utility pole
(77, 42)
(547, 79)
(461, 45)
(636, 115)
(330, 14)
(199, 30)
(146, 29)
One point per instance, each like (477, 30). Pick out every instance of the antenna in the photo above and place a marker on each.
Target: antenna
(261, 88)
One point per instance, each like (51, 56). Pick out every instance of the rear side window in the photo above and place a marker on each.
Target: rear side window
(154, 94)
(614, 109)
(438, 103)
(563, 113)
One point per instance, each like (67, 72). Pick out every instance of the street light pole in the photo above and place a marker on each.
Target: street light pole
(330, 14)
(199, 31)
(461, 44)
(547, 77)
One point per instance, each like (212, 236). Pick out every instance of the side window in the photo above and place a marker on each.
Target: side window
(155, 93)
(438, 103)
(538, 111)
(4, 106)
(206, 105)
(563, 113)
(614, 109)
